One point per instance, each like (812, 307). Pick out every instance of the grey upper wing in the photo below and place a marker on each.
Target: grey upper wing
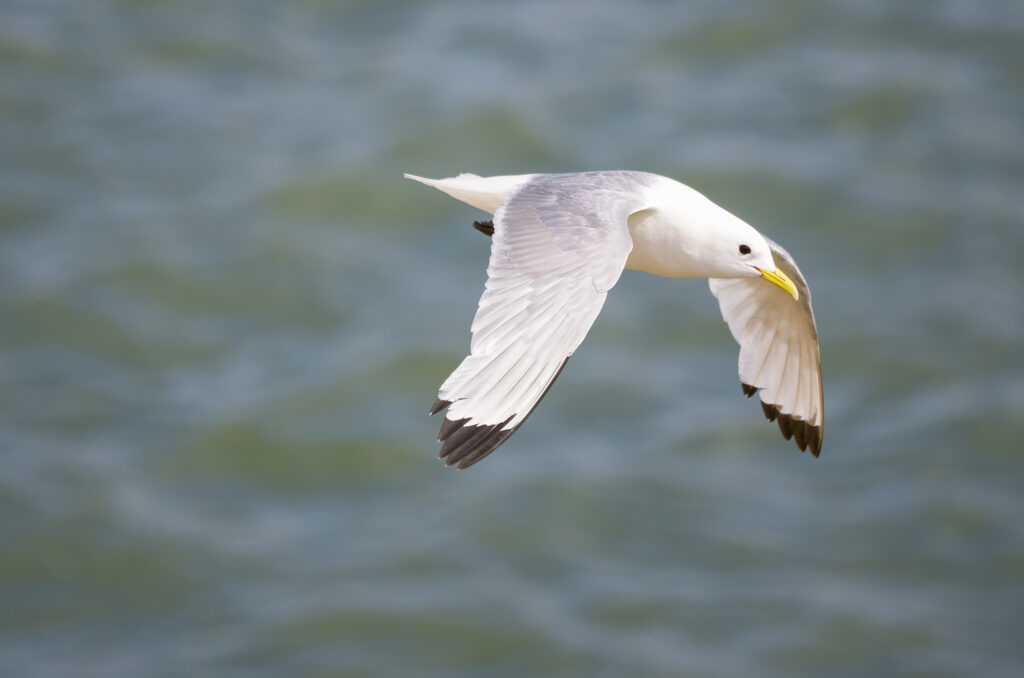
(559, 245)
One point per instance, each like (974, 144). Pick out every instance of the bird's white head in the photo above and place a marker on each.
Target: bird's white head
(685, 235)
(739, 251)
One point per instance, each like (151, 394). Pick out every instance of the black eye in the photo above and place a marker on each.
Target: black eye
(744, 249)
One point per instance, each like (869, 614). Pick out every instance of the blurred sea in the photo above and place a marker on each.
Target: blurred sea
(224, 314)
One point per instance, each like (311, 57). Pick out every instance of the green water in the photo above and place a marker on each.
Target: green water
(224, 316)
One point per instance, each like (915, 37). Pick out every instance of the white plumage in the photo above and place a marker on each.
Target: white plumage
(561, 241)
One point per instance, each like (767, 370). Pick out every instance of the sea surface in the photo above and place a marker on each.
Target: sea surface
(224, 315)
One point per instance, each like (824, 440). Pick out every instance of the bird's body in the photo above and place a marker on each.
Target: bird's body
(561, 241)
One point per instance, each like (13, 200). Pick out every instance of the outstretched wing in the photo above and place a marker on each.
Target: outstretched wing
(778, 349)
(559, 245)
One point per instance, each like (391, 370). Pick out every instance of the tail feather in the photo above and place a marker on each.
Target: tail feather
(486, 193)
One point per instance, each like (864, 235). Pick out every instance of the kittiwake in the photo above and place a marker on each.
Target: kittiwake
(561, 241)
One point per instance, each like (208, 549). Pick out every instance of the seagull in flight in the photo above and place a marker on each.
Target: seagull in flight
(559, 243)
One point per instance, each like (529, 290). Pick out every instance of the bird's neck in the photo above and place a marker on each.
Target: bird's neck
(664, 246)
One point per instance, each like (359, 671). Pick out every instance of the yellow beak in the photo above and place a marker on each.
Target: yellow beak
(782, 280)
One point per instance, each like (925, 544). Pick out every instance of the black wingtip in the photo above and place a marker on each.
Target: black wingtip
(485, 227)
(448, 427)
(813, 437)
(786, 426)
(807, 436)
(464, 444)
(438, 406)
(748, 390)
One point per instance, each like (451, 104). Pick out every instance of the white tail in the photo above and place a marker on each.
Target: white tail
(486, 193)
